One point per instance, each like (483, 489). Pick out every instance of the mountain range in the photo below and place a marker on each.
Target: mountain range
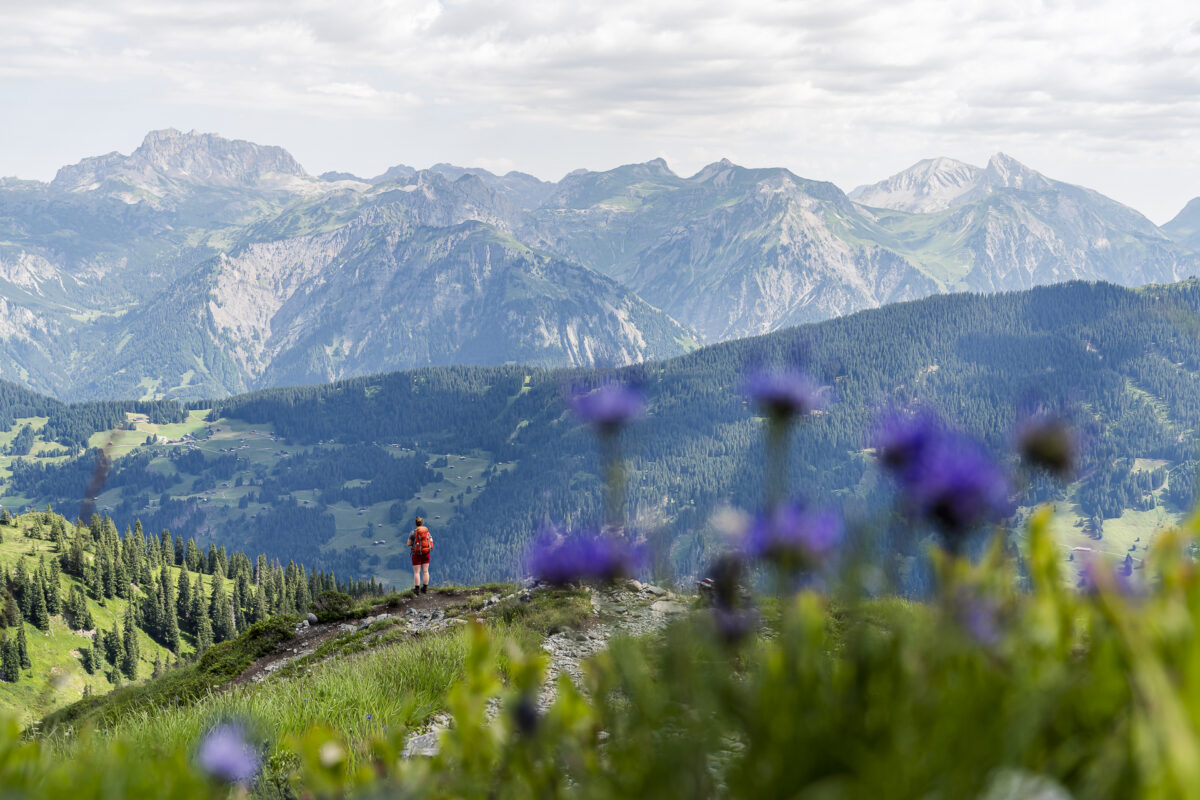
(198, 266)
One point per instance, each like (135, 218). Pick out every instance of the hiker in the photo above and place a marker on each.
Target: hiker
(420, 543)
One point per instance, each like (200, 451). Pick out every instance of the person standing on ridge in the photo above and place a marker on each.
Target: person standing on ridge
(420, 544)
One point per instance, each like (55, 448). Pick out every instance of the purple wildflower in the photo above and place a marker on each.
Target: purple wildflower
(1048, 442)
(956, 487)
(785, 394)
(610, 406)
(980, 617)
(226, 754)
(794, 535)
(1101, 575)
(902, 439)
(561, 561)
(732, 624)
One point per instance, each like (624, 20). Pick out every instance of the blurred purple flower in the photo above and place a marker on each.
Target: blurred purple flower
(947, 479)
(610, 406)
(226, 754)
(794, 535)
(1098, 574)
(980, 617)
(956, 487)
(902, 439)
(733, 625)
(525, 715)
(587, 558)
(785, 394)
(1048, 442)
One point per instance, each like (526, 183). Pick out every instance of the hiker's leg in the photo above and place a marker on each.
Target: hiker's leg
(416, 574)
(425, 573)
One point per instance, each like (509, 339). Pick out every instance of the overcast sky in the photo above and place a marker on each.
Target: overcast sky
(1099, 93)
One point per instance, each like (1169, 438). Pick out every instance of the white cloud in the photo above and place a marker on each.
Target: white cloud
(833, 90)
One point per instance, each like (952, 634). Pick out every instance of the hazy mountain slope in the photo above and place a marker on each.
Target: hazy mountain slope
(730, 251)
(1009, 227)
(1184, 228)
(191, 265)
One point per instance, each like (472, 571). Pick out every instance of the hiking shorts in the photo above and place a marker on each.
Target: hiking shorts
(419, 559)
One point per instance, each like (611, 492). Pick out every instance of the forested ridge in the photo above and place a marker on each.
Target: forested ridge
(1123, 364)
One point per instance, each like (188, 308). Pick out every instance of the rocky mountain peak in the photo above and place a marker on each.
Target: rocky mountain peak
(1004, 170)
(932, 184)
(712, 170)
(172, 156)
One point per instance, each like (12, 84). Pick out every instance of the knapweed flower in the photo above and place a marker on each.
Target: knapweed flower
(584, 558)
(793, 535)
(610, 406)
(734, 624)
(226, 754)
(784, 394)
(1048, 443)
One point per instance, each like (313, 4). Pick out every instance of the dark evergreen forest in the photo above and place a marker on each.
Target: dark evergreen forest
(1123, 365)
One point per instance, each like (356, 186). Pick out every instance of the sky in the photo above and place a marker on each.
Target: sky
(1098, 93)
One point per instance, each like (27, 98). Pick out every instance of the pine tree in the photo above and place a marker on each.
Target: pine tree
(158, 666)
(170, 618)
(41, 615)
(129, 660)
(221, 612)
(192, 556)
(87, 657)
(5, 517)
(199, 607)
(75, 557)
(204, 631)
(54, 603)
(10, 660)
(260, 605)
(23, 649)
(183, 601)
(114, 647)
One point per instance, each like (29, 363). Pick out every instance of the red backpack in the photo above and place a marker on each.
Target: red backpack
(422, 541)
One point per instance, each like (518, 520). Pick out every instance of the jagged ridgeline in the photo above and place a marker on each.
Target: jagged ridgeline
(332, 475)
(94, 608)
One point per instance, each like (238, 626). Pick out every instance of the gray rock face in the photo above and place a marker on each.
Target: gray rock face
(198, 266)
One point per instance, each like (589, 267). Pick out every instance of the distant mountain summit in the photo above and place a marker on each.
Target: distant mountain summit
(936, 184)
(933, 184)
(169, 159)
(198, 265)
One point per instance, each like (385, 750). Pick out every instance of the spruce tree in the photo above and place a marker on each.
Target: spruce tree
(260, 605)
(114, 647)
(10, 660)
(199, 607)
(54, 602)
(5, 517)
(204, 631)
(41, 615)
(23, 649)
(183, 601)
(221, 613)
(158, 666)
(129, 660)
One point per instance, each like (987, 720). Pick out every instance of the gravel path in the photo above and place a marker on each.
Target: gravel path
(631, 608)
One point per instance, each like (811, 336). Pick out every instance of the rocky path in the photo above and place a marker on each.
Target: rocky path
(631, 608)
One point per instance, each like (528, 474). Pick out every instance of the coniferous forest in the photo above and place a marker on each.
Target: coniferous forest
(1123, 365)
